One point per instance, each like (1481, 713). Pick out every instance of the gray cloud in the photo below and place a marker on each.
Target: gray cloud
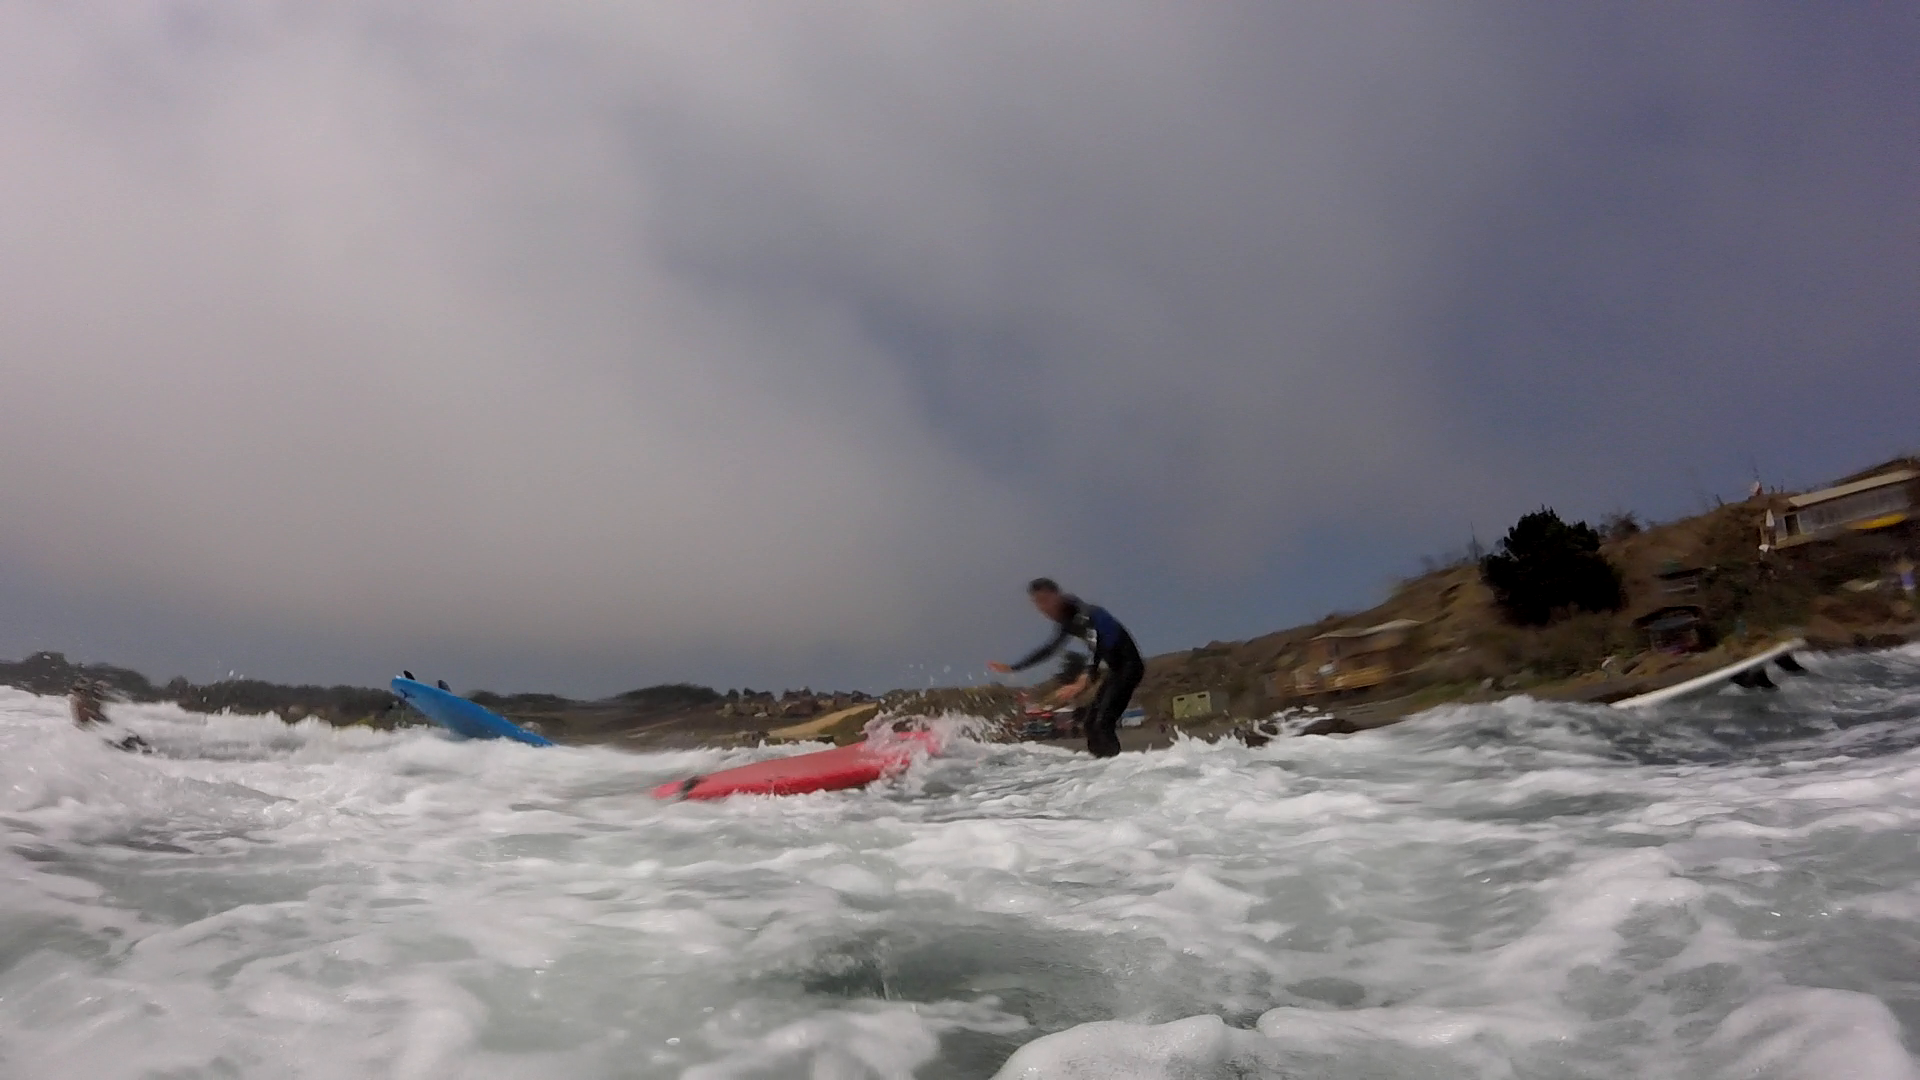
(761, 334)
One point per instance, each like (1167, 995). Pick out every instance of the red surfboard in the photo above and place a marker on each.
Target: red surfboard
(827, 770)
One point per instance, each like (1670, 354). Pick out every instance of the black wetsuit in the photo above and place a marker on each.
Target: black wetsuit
(1114, 651)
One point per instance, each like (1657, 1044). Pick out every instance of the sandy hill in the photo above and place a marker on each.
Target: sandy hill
(1463, 649)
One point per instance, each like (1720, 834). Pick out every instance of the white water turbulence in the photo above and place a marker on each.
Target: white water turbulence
(1726, 889)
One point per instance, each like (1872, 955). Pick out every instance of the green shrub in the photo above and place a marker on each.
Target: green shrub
(1546, 567)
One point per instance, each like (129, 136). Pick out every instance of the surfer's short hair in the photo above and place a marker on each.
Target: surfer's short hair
(1043, 584)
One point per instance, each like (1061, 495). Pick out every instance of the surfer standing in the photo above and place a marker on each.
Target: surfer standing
(1115, 657)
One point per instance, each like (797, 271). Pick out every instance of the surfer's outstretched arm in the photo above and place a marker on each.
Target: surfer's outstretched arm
(1062, 609)
(1060, 638)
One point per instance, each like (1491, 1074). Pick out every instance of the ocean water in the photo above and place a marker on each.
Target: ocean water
(1725, 889)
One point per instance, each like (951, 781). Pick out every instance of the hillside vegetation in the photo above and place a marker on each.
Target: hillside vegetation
(1551, 612)
(1468, 647)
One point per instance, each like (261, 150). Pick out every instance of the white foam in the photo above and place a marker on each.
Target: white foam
(1491, 891)
(1815, 1034)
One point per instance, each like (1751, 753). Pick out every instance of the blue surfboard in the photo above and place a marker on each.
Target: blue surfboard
(462, 717)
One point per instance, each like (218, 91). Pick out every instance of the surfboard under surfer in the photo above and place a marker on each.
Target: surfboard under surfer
(1115, 660)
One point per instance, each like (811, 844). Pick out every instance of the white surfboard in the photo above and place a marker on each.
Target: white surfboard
(1713, 679)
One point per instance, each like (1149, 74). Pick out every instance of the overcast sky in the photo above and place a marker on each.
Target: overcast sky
(578, 346)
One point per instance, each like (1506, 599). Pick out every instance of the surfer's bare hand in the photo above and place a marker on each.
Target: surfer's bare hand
(998, 668)
(1071, 690)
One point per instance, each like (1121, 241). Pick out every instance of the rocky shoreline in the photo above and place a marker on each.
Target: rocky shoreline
(688, 717)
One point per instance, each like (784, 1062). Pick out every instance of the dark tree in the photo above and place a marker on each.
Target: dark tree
(671, 696)
(1546, 566)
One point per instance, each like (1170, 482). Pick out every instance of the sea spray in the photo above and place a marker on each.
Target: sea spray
(1722, 889)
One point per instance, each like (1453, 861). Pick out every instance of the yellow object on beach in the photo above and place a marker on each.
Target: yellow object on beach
(821, 725)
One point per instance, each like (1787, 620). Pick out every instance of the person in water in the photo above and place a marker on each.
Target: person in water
(84, 700)
(1115, 658)
(87, 701)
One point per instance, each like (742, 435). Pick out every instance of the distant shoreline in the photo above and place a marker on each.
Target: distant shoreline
(1729, 571)
(614, 723)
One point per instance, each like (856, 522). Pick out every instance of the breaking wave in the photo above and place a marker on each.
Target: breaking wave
(1728, 888)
